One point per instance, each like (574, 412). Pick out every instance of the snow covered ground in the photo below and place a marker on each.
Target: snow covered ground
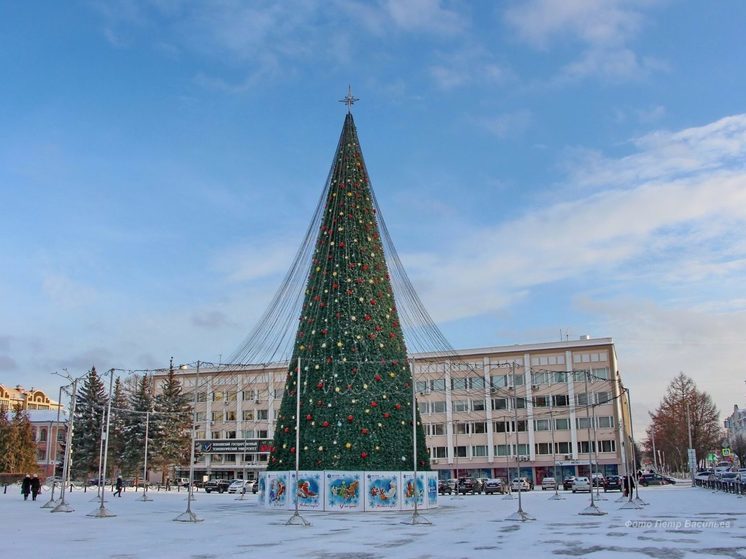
(679, 522)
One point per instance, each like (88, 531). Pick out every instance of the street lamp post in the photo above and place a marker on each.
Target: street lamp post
(592, 509)
(519, 515)
(188, 515)
(62, 506)
(102, 511)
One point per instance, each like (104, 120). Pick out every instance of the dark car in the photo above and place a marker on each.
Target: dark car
(219, 485)
(655, 479)
(567, 483)
(613, 483)
(446, 486)
(468, 485)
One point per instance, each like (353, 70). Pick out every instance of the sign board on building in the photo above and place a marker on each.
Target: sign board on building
(232, 446)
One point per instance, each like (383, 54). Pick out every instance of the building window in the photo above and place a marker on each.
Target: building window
(499, 381)
(606, 422)
(460, 451)
(607, 446)
(585, 448)
(458, 384)
(581, 399)
(438, 407)
(603, 397)
(500, 426)
(541, 378)
(230, 434)
(230, 416)
(562, 424)
(460, 428)
(560, 400)
(559, 376)
(542, 401)
(460, 405)
(231, 396)
(479, 451)
(217, 416)
(582, 422)
(202, 396)
(248, 415)
(439, 452)
(601, 373)
(42, 435)
(478, 405)
(543, 448)
(217, 396)
(262, 415)
(541, 425)
(499, 403)
(216, 434)
(250, 395)
(503, 450)
(479, 427)
(520, 403)
(563, 448)
(476, 383)
(230, 458)
(200, 416)
(435, 429)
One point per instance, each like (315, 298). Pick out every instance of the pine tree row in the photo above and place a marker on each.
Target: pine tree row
(135, 406)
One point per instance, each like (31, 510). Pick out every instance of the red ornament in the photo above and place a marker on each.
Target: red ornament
(292, 450)
(374, 404)
(372, 301)
(320, 385)
(377, 377)
(350, 418)
(398, 406)
(386, 415)
(364, 430)
(325, 424)
(363, 455)
(309, 417)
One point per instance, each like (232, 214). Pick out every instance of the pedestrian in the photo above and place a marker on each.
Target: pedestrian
(26, 487)
(35, 487)
(119, 486)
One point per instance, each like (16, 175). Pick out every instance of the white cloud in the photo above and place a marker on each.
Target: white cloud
(606, 23)
(424, 15)
(603, 30)
(260, 260)
(468, 66)
(655, 213)
(507, 124)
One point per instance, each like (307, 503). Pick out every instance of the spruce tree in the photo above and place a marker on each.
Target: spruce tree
(170, 426)
(90, 406)
(140, 402)
(119, 414)
(356, 392)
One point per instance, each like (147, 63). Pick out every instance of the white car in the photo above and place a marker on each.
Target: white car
(548, 483)
(581, 484)
(240, 486)
(521, 484)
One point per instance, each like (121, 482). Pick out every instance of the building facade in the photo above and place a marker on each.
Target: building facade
(50, 429)
(486, 412)
(27, 398)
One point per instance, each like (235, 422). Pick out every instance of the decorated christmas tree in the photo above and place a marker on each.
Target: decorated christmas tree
(356, 382)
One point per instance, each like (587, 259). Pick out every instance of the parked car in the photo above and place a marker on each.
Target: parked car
(613, 483)
(241, 486)
(219, 485)
(493, 485)
(655, 479)
(521, 484)
(468, 485)
(182, 481)
(548, 483)
(446, 486)
(581, 483)
(598, 480)
(567, 483)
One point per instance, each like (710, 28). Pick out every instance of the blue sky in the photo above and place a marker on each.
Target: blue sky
(543, 166)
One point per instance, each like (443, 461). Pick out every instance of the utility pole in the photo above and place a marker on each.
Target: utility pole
(691, 452)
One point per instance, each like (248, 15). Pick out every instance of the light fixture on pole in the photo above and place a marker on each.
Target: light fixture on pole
(297, 518)
(592, 509)
(102, 511)
(188, 515)
(62, 506)
(145, 496)
(520, 515)
(556, 496)
(416, 517)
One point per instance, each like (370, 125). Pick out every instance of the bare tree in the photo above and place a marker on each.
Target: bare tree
(669, 423)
